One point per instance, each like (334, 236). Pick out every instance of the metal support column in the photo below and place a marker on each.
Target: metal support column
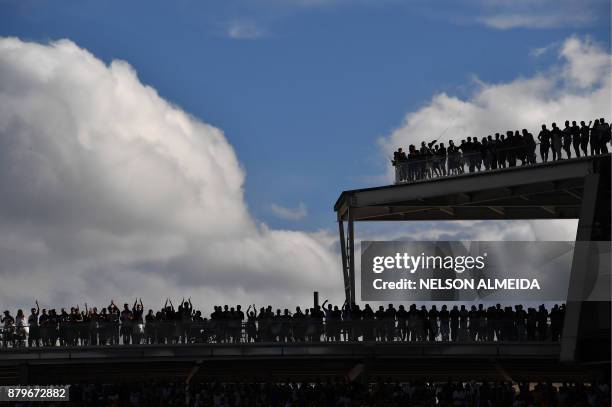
(345, 273)
(351, 257)
(586, 329)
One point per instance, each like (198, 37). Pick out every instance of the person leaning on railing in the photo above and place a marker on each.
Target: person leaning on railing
(514, 148)
(350, 323)
(399, 162)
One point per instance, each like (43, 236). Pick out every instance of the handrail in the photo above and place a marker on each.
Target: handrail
(411, 169)
(91, 333)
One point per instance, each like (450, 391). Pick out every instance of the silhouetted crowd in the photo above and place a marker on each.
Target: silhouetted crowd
(336, 393)
(513, 149)
(131, 325)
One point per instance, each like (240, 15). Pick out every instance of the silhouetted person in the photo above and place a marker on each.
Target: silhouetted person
(454, 325)
(544, 137)
(402, 319)
(34, 331)
(424, 326)
(530, 147)
(399, 162)
(463, 324)
(555, 322)
(604, 135)
(442, 154)
(493, 152)
(510, 149)
(482, 318)
(433, 323)
(520, 147)
(444, 323)
(126, 324)
(453, 158)
(8, 328)
(575, 132)
(477, 153)
(474, 323)
(595, 139)
(379, 316)
(542, 320)
(485, 153)
(501, 147)
(367, 326)
(567, 139)
(585, 135)
(556, 142)
(389, 321)
(413, 323)
(520, 318)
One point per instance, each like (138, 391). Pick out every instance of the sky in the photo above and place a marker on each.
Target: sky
(197, 147)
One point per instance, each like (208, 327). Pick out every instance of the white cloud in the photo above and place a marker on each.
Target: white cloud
(538, 52)
(517, 230)
(587, 65)
(514, 230)
(579, 88)
(244, 30)
(108, 191)
(508, 21)
(508, 14)
(300, 212)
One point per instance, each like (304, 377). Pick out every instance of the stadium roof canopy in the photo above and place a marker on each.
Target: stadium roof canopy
(568, 189)
(550, 190)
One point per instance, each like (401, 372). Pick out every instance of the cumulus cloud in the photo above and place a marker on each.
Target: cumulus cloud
(577, 88)
(300, 212)
(587, 65)
(514, 230)
(108, 190)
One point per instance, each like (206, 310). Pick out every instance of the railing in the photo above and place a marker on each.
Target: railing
(437, 166)
(177, 332)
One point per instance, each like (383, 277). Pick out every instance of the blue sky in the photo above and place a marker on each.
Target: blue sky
(304, 88)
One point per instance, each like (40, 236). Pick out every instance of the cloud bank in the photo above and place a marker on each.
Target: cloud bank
(577, 88)
(108, 190)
